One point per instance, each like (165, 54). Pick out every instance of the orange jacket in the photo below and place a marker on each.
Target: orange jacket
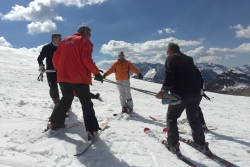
(121, 70)
(73, 60)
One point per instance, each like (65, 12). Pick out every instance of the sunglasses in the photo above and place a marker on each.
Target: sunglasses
(59, 39)
(89, 33)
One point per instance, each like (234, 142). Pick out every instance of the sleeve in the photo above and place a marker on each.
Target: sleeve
(133, 68)
(86, 57)
(199, 77)
(56, 57)
(42, 55)
(170, 71)
(111, 70)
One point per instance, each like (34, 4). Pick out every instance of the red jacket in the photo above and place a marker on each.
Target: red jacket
(73, 60)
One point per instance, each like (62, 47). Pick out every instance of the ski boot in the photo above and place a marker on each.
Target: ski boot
(91, 136)
(174, 149)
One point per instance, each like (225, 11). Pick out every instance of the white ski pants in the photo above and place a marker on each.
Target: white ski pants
(125, 94)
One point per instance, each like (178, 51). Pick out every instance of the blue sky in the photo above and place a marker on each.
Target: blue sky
(209, 31)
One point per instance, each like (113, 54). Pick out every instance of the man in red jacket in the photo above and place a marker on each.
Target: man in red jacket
(74, 64)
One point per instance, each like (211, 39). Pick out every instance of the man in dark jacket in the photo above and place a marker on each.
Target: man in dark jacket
(47, 52)
(74, 64)
(180, 79)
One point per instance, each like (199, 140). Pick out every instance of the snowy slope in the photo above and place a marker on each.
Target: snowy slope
(25, 107)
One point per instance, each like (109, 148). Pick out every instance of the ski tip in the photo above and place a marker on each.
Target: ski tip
(146, 130)
(165, 130)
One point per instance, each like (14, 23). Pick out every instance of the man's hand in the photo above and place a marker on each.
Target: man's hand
(140, 76)
(160, 94)
(99, 77)
(41, 68)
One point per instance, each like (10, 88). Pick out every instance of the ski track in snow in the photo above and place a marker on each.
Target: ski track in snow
(26, 106)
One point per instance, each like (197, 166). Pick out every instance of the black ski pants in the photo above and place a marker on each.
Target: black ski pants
(190, 102)
(201, 117)
(52, 81)
(83, 93)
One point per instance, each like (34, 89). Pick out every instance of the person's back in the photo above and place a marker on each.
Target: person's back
(182, 70)
(76, 63)
(73, 60)
(180, 78)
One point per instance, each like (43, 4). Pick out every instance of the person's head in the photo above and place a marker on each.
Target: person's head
(121, 56)
(172, 48)
(56, 38)
(84, 30)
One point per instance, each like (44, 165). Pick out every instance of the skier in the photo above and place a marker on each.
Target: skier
(74, 63)
(180, 79)
(47, 52)
(121, 68)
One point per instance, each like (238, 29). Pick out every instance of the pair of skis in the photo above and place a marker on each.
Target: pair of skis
(192, 144)
(86, 145)
(68, 126)
(182, 121)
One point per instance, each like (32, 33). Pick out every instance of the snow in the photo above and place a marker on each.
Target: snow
(25, 107)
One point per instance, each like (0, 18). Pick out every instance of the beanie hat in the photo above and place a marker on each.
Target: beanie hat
(121, 53)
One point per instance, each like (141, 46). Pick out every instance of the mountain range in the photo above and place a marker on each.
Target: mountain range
(218, 78)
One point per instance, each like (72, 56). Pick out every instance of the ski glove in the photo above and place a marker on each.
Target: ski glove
(140, 76)
(98, 77)
(41, 68)
(171, 99)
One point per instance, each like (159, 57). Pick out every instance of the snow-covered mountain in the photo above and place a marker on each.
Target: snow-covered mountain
(155, 72)
(235, 81)
(218, 78)
(210, 71)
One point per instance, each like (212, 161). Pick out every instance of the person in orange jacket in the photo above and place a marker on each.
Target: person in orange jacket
(74, 64)
(121, 68)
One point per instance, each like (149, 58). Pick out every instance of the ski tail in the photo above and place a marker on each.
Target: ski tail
(86, 145)
(152, 135)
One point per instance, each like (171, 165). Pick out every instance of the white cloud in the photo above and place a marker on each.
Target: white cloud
(80, 3)
(243, 48)
(38, 27)
(209, 59)
(4, 43)
(160, 32)
(166, 30)
(158, 58)
(147, 48)
(169, 30)
(200, 51)
(241, 32)
(37, 10)
(43, 11)
(230, 56)
(214, 51)
(105, 64)
(37, 49)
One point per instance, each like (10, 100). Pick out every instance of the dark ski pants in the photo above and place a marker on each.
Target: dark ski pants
(52, 81)
(190, 102)
(201, 117)
(83, 93)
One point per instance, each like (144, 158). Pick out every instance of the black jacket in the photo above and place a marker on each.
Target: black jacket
(47, 52)
(180, 76)
(200, 78)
